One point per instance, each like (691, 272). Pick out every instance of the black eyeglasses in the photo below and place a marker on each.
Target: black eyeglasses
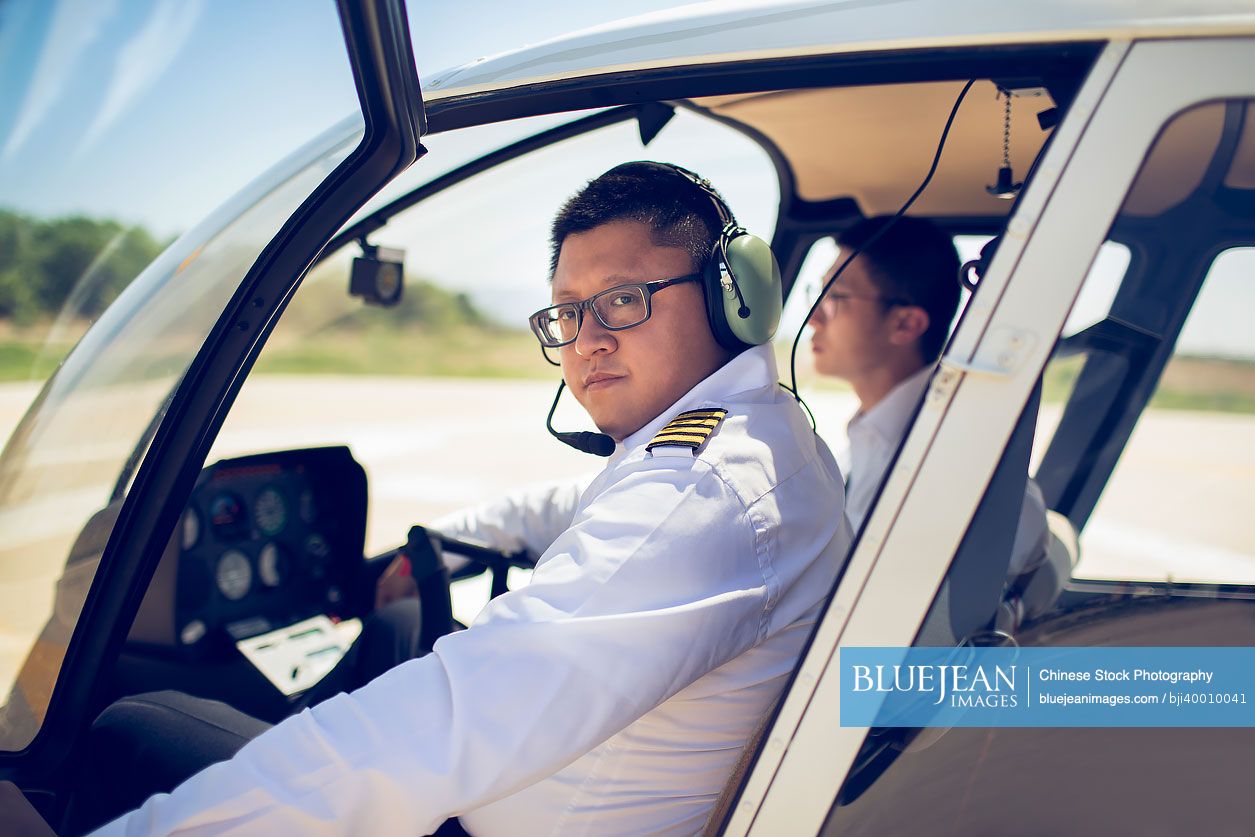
(833, 297)
(617, 308)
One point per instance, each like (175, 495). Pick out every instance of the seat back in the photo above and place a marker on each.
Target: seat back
(1034, 592)
(972, 591)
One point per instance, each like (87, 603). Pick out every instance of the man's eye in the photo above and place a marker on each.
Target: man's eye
(621, 300)
(564, 314)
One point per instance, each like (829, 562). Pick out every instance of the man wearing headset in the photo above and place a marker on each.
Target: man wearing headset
(615, 692)
(881, 327)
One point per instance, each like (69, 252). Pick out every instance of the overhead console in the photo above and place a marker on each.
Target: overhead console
(265, 541)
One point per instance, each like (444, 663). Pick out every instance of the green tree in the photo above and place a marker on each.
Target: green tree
(75, 263)
(18, 300)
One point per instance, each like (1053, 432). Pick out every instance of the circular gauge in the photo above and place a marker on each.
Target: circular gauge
(227, 516)
(193, 632)
(309, 511)
(272, 564)
(318, 551)
(234, 575)
(191, 528)
(316, 546)
(270, 511)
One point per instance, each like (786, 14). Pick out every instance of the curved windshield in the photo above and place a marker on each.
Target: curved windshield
(129, 125)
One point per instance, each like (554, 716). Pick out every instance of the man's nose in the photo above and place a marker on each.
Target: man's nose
(593, 337)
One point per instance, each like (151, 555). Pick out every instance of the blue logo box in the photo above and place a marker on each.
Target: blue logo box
(1047, 687)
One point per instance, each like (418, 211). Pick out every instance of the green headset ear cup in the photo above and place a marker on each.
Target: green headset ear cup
(753, 269)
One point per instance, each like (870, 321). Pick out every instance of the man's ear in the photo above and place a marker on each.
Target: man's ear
(909, 324)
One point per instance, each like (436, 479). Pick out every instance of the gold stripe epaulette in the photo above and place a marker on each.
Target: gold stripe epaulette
(689, 429)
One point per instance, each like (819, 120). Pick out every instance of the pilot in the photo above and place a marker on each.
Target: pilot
(881, 327)
(614, 693)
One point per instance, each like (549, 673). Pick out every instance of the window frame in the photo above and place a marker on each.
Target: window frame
(992, 363)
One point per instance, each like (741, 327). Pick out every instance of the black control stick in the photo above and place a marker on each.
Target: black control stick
(432, 578)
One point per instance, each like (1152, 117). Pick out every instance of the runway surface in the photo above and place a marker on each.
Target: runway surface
(1176, 507)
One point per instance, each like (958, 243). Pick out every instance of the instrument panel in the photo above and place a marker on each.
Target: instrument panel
(264, 541)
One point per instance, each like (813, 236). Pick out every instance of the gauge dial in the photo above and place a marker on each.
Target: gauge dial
(234, 575)
(318, 551)
(191, 529)
(227, 515)
(309, 510)
(193, 632)
(272, 564)
(270, 511)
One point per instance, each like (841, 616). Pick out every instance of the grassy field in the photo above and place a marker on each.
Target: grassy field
(464, 351)
(460, 352)
(22, 361)
(27, 353)
(1188, 383)
(1191, 383)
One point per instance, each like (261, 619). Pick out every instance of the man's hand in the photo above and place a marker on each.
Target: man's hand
(397, 582)
(18, 818)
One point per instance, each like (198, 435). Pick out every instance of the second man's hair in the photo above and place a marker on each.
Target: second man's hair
(916, 261)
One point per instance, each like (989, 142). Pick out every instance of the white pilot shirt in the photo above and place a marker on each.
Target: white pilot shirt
(874, 436)
(528, 520)
(612, 694)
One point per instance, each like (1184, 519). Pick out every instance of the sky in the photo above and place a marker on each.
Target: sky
(155, 112)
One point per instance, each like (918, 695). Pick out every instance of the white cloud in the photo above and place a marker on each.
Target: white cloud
(75, 25)
(142, 60)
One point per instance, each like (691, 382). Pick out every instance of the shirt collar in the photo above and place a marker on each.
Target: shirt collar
(752, 369)
(889, 417)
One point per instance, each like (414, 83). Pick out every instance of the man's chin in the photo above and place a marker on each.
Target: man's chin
(613, 424)
(614, 430)
(828, 366)
(614, 412)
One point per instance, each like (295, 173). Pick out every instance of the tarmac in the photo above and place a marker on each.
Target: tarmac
(1176, 508)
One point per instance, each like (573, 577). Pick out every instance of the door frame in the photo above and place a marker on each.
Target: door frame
(973, 403)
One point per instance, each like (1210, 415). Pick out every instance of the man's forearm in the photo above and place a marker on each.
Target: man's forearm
(530, 519)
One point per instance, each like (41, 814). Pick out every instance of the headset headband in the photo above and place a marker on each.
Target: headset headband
(726, 218)
(740, 277)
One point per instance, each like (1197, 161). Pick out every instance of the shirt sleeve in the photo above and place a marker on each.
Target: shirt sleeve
(658, 581)
(529, 519)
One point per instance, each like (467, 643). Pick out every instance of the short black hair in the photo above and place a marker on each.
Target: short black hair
(914, 260)
(677, 212)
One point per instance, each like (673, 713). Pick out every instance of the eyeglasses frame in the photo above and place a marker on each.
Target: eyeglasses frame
(834, 297)
(649, 288)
